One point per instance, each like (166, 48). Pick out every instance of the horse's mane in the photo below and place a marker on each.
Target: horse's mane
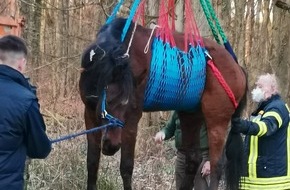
(104, 62)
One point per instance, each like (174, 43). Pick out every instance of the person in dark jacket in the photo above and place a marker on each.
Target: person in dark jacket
(172, 129)
(267, 140)
(22, 129)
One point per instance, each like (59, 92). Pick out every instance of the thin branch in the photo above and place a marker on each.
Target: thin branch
(51, 63)
(103, 8)
(4, 8)
(56, 8)
(55, 118)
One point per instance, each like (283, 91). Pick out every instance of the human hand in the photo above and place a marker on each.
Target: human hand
(159, 137)
(205, 171)
(240, 125)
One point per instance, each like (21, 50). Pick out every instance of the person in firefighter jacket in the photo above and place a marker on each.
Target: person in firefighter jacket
(267, 139)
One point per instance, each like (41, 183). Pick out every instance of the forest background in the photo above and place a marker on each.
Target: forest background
(57, 31)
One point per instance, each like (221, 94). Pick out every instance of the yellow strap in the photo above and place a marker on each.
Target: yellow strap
(284, 186)
(288, 150)
(275, 115)
(262, 128)
(288, 144)
(274, 183)
(265, 181)
(253, 156)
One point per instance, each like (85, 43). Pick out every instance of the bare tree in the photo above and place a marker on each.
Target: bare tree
(31, 10)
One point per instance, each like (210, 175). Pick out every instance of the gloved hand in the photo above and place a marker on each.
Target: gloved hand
(159, 137)
(240, 126)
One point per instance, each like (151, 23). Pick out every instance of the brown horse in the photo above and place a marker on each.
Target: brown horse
(108, 69)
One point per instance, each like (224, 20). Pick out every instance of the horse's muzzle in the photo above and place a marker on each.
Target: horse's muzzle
(108, 149)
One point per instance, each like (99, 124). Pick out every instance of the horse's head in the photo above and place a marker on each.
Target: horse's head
(106, 86)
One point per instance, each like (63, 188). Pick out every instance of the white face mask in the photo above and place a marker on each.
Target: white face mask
(258, 95)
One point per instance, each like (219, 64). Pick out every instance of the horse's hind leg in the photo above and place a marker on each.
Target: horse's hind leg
(217, 117)
(93, 151)
(129, 134)
(190, 126)
(217, 133)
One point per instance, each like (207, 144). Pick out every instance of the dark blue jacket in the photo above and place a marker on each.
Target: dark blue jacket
(22, 129)
(267, 147)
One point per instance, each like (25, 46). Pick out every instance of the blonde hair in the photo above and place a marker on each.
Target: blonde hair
(269, 84)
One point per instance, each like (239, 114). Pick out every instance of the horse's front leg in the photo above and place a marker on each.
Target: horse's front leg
(93, 151)
(129, 134)
(190, 126)
(93, 158)
(127, 161)
(216, 135)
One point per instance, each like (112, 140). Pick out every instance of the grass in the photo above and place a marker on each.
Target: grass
(65, 167)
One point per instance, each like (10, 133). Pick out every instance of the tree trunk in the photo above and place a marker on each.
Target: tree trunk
(248, 31)
(280, 47)
(31, 32)
(179, 16)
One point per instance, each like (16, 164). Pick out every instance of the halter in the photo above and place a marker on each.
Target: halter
(115, 122)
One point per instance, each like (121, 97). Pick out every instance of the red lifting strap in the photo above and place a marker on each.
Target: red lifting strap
(165, 32)
(223, 83)
(191, 32)
(140, 12)
(171, 6)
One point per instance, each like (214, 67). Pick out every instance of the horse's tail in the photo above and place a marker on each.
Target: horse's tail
(234, 152)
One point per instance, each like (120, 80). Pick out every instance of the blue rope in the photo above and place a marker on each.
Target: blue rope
(105, 115)
(129, 19)
(115, 11)
(81, 133)
(113, 122)
(104, 103)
